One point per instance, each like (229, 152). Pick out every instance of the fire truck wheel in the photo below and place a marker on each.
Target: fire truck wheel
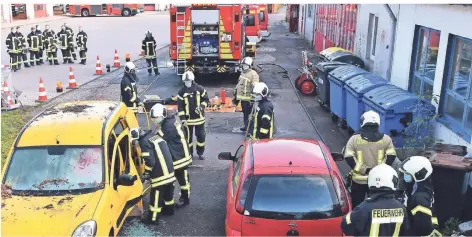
(85, 12)
(126, 12)
(308, 87)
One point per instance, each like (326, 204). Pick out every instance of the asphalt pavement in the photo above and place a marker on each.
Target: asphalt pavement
(206, 213)
(105, 34)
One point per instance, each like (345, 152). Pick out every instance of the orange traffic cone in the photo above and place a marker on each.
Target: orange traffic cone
(116, 61)
(59, 87)
(42, 92)
(98, 68)
(6, 91)
(72, 83)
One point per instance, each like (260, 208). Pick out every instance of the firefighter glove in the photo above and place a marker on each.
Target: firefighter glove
(198, 110)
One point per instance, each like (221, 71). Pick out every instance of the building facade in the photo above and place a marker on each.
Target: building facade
(13, 12)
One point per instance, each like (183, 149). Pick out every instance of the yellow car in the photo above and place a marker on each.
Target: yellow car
(71, 172)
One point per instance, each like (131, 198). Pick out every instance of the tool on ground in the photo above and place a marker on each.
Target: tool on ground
(9, 97)
(223, 95)
(98, 67)
(108, 67)
(116, 61)
(6, 91)
(72, 82)
(42, 92)
(59, 87)
(251, 118)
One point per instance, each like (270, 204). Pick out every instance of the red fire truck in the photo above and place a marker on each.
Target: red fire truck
(253, 27)
(207, 38)
(104, 10)
(264, 20)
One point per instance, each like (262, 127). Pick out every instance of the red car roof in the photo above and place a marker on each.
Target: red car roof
(283, 152)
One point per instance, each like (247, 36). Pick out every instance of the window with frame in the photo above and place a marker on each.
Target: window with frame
(110, 146)
(237, 167)
(124, 148)
(425, 54)
(457, 103)
(250, 20)
(372, 36)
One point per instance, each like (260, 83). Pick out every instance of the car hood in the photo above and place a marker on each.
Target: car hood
(47, 216)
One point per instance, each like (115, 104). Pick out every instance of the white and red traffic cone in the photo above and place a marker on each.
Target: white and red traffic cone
(98, 68)
(116, 61)
(6, 91)
(72, 83)
(42, 92)
(142, 53)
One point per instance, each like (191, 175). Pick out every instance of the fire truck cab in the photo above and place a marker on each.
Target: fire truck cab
(252, 26)
(104, 10)
(264, 20)
(207, 38)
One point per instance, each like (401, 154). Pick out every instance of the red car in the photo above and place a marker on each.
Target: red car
(284, 187)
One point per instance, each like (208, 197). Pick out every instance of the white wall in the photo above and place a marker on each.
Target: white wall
(309, 23)
(380, 63)
(301, 15)
(449, 20)
(30, 11)
(50, 9)
(6, 13)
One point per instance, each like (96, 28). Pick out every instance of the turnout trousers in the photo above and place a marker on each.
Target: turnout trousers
(24, 59)
(13, 60)
(358, 193)
(161, 201)
(200, 134)
(52, 57)
(184, 182)
(152, 65)
(40, 55)
(83, 55)
(246, 107)
(35, 58)
(66, 55)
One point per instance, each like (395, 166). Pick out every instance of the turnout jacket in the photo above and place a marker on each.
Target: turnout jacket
(379, 215)
(81, 40)
(50, 42)
(421, 211)
(64, 38)
(33, 41)
(13, 43)
(367, 155)
(172, 132)
(22, 40)
(41, 38)
(149, 47)
(188, 100)
(262, 123)
(246, 83)
(157, 159)
(129, 91)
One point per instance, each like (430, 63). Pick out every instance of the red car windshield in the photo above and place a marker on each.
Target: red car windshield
(291, 197)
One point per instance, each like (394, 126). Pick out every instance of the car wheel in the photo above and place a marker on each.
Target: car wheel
(126, 12)
(308, 87)
(85, 13)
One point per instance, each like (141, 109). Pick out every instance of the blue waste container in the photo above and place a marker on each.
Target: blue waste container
(356, 87)
(337, 94)
(396, 108)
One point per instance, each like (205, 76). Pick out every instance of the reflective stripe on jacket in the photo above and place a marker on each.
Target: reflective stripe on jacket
(81, 40)
(33, 41)
(189, 99)
(246, 83)
(171, 131)
(149, 47)
(422, 214)
(262, 123)
(367, 155)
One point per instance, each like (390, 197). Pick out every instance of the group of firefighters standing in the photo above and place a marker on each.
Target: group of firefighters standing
(167, 149)
(47, 41)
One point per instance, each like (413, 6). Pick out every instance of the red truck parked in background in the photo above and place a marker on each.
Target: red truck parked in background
(104, 10)
(264, 20)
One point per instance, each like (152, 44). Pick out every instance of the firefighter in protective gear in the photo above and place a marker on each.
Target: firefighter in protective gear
(41, 44)
(33, 41)
(365, 150)
(172, 131)
(243, 91)
(82, 45)
(23, 57)
(50, 45)
(158, 166)
(381, 214)
(65, 39)
(192, 101)
(417, 172)
(262, 121)
(129, 91)
(71, 43)
(13, 45)
(149, 47)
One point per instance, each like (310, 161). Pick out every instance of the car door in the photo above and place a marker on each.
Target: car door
(233, 178)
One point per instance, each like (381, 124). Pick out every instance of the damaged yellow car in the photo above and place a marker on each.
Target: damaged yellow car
(72, 171)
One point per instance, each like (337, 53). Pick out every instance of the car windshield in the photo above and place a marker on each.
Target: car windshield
(294, 197)
(250, 20)
(55, 168)
(261, 16)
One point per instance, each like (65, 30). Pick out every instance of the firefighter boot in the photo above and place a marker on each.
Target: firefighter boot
(157, 72)
(56, 62)
(70, 61)
(82, 61)
(168, 210)
(183, 201)
(148, 219)
(27, 65)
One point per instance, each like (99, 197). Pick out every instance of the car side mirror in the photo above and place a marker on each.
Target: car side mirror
(127, 180)
(226, 156)
(337, 156)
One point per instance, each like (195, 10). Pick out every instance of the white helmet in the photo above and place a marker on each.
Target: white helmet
(261, 88)
(370, 117)
(158, 112)
(188, 75)
(129, 66)
(383, 177)
(418, 167)
(248, 61)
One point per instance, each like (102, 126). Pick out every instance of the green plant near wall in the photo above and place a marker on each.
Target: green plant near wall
(419, 133)
(450, 227)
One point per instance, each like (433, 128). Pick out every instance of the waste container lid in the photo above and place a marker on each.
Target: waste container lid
(329, 51)
(365, 82)
(346, 57)
(329, 65)
(393, 98)
(344, 73)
